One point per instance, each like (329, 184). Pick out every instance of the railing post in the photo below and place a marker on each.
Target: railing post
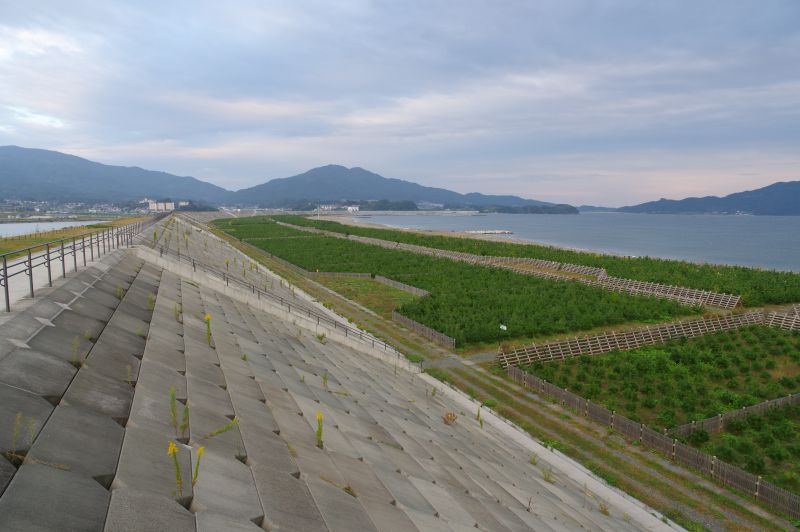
(74, 255)
(91, 246)
(49, 273)
(5, 284)
(63, 261)
(30, 272)
(83, 250)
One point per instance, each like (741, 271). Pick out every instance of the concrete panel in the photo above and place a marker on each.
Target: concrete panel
(139, 511)
(45, 498)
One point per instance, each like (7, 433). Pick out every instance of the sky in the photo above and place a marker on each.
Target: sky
(605, 102)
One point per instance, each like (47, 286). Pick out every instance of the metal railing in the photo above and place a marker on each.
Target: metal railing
(290, 306)
(94, 244)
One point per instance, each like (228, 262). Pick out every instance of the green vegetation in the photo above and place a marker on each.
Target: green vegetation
(757, 287)
(766, 444)
(685, 380)
(378, 297)
(467, 302)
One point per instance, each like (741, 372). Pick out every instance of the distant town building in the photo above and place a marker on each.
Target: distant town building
(159, 206)
(352, 208)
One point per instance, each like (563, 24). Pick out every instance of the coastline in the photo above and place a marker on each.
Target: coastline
(350, 219)
(353, 221)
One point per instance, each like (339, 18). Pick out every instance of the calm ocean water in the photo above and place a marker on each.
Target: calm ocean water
(34, 227)
(771, 242)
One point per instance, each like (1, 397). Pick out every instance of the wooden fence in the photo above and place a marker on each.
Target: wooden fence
(623, 341)
(715, 424)
(596, 277)
(402, 286)
(728, 475)
(790, 322)
(427, 332)
(378, 278)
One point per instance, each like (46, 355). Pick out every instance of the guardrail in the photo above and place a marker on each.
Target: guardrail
(95, 244)
(291, 306)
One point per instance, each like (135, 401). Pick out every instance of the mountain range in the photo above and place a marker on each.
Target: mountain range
(43, 175)
(778, 199)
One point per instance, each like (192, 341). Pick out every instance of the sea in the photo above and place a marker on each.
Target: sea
(767, 242)
(24, 228)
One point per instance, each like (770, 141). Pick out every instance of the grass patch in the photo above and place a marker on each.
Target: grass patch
(377, 297)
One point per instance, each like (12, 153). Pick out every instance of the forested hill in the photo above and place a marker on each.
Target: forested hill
(778, 199)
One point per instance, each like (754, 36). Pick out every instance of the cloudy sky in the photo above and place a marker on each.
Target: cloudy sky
(606, 102)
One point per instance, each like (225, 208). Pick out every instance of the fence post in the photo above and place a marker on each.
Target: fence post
(5, 283)
(47, 261)
(63, 261)
(30, 272)
(613, 413)
(83, 250)
(758, 486)
(74, 255)
(713, 463)
(674, 445)
(91, 246)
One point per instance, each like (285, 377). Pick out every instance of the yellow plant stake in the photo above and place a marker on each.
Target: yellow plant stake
(319, 429)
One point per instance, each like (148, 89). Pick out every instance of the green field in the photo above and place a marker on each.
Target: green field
(687, 379)
(467, 302)
(765, 444)
(757, 287)
(377, 297)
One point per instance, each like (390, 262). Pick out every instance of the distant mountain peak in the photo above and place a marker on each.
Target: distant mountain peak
(778, 199)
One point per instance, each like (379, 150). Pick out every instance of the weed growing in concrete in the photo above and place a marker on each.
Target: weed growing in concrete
(223, 429)
(244, 357)
(185, 420)
(325, 380)
(292, 450)
(172, 450)
(140, 332)
(120, 292)
(88, 335)
(173, 408)
(603, 507)
(151, 302)
(547, 475)
(176, 312)
(207, 319)
(129, 378)
(227, 264)
(302, 378)
(77, 357)
(449, 418)
(321, 338)
(14, 436)
(200, 452)
(534, 459)
(31, 431)
(319, 429)
(433, 392)
(155, 236)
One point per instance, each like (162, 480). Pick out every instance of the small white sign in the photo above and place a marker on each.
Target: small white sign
(503, 327)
